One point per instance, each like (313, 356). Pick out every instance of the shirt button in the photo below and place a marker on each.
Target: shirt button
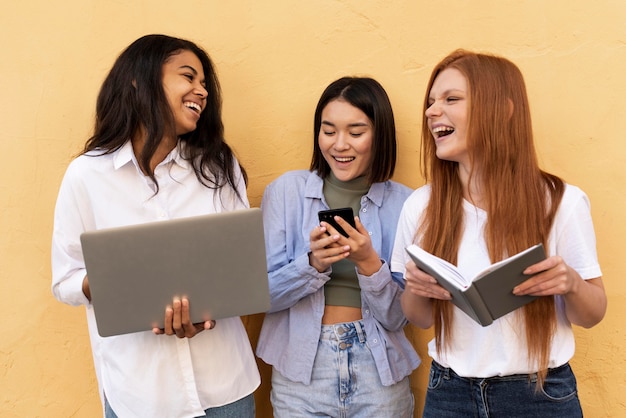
(364, 209)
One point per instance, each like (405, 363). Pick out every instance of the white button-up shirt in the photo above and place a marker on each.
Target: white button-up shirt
(143, 374)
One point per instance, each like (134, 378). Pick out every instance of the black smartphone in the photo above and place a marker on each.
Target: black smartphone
(329, 217)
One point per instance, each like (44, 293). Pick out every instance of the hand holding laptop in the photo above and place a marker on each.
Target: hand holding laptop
(217, 259)
(178, 321)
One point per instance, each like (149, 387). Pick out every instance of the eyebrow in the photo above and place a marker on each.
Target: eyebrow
(449, 91)
(352, 125)
(193, 70)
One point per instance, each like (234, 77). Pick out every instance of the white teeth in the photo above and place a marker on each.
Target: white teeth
(441, 131)
(193, 105)
(344, 159)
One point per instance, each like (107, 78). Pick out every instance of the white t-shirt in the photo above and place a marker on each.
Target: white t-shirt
(142, 374)
(500, 349)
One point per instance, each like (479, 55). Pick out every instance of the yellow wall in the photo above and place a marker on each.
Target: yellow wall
(274, 58)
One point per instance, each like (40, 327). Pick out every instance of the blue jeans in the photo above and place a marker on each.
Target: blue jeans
(450, 395)
(243, 408)
(345, 382)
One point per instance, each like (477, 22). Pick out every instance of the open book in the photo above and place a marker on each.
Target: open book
(489, 295)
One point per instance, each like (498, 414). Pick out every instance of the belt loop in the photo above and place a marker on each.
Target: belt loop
(359, 331)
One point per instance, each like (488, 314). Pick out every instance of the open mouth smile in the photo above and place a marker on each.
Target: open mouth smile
(193, 106)
(441, 131)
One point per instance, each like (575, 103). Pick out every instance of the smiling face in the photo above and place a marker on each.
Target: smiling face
(345, 140)
(447, 115)
(184, 86)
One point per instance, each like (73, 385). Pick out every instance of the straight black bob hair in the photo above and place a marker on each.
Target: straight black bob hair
(371, 98)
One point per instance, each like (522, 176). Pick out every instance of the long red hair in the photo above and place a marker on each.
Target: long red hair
(520, 199)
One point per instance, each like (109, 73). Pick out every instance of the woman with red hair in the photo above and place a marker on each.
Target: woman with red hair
(485, 199)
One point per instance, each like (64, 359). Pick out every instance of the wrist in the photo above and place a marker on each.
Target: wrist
(313, 263)
(85, 288)
(369, 267)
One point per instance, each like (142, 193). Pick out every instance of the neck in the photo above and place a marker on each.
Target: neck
(472, 190)
(166, 145)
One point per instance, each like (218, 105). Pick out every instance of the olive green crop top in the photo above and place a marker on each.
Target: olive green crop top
(343, 287)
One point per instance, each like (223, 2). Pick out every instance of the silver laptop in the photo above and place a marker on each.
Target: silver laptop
(217, 261)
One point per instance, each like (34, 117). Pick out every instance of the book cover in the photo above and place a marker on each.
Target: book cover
(489, 295)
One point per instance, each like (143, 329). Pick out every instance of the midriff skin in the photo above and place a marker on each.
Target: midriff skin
(338, 314)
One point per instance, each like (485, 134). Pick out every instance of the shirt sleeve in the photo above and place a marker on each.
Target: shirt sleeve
(290, 275)
(574, 235)
(405, 233)
(68, 267)
(382, 297)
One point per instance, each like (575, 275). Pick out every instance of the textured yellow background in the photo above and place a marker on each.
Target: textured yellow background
(274, 58)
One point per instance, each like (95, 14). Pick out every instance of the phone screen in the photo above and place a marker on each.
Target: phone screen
(329, 217)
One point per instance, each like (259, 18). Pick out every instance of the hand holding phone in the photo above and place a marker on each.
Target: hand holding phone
(329, 216)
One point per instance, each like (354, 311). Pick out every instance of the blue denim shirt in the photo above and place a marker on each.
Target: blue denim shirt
(292, 327)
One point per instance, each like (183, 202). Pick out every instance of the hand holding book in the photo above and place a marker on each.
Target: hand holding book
(489, 295)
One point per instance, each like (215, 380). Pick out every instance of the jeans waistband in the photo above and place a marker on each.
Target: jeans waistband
(343, 331)
(448, 372)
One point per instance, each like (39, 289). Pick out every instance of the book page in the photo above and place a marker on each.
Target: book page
(439, 266)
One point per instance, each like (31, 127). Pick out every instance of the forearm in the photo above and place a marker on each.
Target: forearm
(294, 281)
(585, 304)
(417, 309)
(86, 289)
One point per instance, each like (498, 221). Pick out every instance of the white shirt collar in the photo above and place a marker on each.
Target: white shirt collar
(126, 155)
